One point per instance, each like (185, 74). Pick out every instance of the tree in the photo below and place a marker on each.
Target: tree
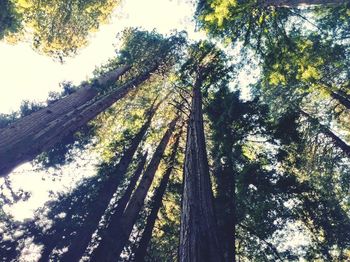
(117, 232)
(278, 162)
(55, 28)
(112, 174)
(9, 19)
(198, 236)
(256, 23)
(27, 137)
(141, 250)
(82, 240)
(296, 3)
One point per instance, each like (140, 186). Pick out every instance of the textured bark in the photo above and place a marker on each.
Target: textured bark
(82, 239)
(198, 234)
(341, 98)
(119, 229)
(325, 130)
(225, 205)
(296, 3)
(141, 251)
(20, 143)
(122, 202)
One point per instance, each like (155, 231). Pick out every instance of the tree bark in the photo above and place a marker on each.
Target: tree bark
(325, 130)
(119, 229)
(25, 139)
(226, 204)
(123, 201)
(141, 251)
(82, 239)
(341, 98)
(198, 233)
(297, 3)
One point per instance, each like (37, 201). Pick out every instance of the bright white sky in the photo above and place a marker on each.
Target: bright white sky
(27, 75)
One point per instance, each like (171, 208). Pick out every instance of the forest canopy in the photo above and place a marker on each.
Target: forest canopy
(175, 149)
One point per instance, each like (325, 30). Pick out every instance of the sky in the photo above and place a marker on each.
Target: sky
(27, 75)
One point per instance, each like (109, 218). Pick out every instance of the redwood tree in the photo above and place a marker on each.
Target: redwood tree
(26, 138)
(140, 252)
(82, 239)
(117, 232)
(199, 241)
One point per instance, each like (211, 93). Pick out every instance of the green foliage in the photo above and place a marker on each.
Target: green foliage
(248, 21)
(206, 67)
(9, 18)
(57, 28)
(146, 49)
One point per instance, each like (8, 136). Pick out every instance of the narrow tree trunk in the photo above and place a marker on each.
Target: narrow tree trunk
(123, 201)
(141, 251)
(82, 240)
(341, 99)
(225, 204)
(119, 209)
(296, 3)
(112, 244)
(325, 130)
(20, 143)
(198, 234)
(272, 247)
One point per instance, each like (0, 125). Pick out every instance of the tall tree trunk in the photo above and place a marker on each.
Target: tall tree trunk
(119, 209)
(325, 130)
(198, 234)
(140, 252)
(25, 139)
(296, 3)
(119, 229)
(82, 240)
(341, 98)
(123, 201)
(271, 247)
(225, 204)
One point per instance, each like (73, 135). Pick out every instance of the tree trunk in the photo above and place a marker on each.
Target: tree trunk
(25, 139)
(82, 240)
(112, 244)
(198, 234)
(297, 3)
(341, 98)
(325, 130)
(123, 201)
(156, 204)
(225, 203)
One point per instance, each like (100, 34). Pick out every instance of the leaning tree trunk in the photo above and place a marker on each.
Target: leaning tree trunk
(326, 131)
(296, 3)
(141, 251)
(341, 98)
(119, 229)
(82, 240)
(198, 234)
(30, 136)
(123, 201)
